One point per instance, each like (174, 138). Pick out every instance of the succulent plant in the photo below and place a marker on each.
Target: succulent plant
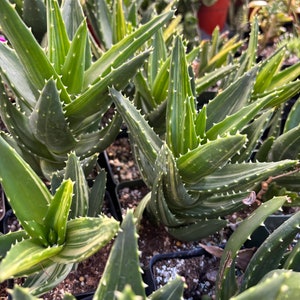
(127, 285)
(273, 269)
(51, 239)
(195, 174)
(45, 131)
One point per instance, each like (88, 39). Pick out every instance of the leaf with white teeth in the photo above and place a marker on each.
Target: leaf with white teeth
(64, 91)
(84, 237)
(23, 256)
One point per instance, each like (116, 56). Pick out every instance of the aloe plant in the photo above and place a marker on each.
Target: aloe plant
(117, 282)
(45, 131)
(51, 239)
(277, 265)
(192, 179)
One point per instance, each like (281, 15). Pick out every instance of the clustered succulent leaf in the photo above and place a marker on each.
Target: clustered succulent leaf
(60, 93)
(201, 169)
(116, 282)
(49, 236)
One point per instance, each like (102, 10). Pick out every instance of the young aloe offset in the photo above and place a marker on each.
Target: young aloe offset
(192, 179)
(55, 103)
(49, 237)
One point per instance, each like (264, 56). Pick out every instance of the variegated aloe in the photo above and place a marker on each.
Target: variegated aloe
(201, 171)
(51, 240)
(53, 98)
(123, 257)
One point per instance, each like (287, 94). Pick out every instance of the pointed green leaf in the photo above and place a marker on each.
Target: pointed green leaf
(74, 63)
(30, 199)
(267, 70)
(85, 236)
(58, 211)
(118, 24)
(73, 16)
(48, 122)
(201, 123)
(23, 256)
(74, 171)
(47, 279)
(254, 132)
(97, 141)
(180, 134)
(247, 175)
(286, 75)
(225, 289)
(173, 290)
(140, 131)
(277, 284)
(123, 257)
(286, 146)
(293, 260)
(158, 56)
(21, 293)
(211, 78)
(10, 238)
(237, 121)
(13, 73)
(33, 57)
(293, 116)
(120, 52)
(100, 18)
(96, 97)
(18, 125)
(271, 252)
(58, 42)
(97, 193)
(34, 15)
(232, 99)
(203, 160)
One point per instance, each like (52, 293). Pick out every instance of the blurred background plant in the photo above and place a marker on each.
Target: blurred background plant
(273, 16)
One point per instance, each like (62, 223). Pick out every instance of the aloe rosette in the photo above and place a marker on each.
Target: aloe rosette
(194, 174)
(50, 240)
(53, 97)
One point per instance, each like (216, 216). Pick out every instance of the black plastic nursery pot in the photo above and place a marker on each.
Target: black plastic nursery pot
(114, 186)
(148, 275)
(111, 196)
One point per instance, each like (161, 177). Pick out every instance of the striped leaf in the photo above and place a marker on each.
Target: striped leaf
(202, 161)
(57, 214)
(84, 237)
(123, 257)
(23, 256)
(58, 41)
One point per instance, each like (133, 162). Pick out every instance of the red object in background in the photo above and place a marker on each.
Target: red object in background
(209, 17)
